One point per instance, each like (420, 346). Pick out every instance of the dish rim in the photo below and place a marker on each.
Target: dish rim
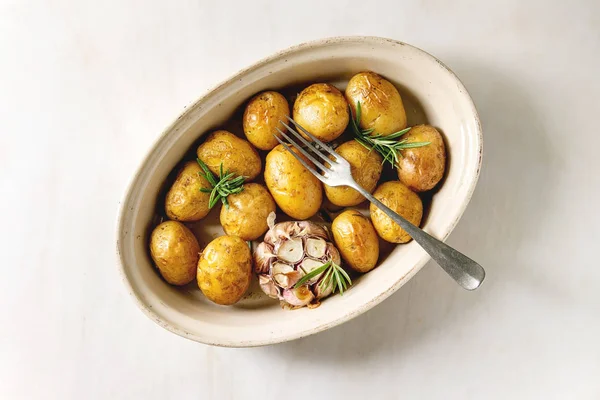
(125, 198)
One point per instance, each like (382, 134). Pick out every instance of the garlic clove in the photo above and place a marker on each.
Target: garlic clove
(291, 250)
(280, 273)
(316, 247)
(262, 258)
(298, 297)
(308, 264)
(268, 286)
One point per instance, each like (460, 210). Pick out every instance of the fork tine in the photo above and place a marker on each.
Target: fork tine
(306, 142)
(310, 135)
(308, 167)
(306, 153)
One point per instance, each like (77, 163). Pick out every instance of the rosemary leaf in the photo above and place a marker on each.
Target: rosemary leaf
(343, 272)
(212, 200)
(396, 135)
(414, 144)
(207, 174)
(338, 280)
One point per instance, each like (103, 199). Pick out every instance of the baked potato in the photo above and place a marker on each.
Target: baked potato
(237, 155)
(175, 252)
(421, 168)
(381, 105)
(261, 119)
(224, 270)
(322, 110)
(402, 200)
(356, 240)
(366, 166)
(296, 191)
(247, 213)
(184, 200)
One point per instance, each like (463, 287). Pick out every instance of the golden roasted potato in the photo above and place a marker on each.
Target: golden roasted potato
(402, 200)
(261, 119)
(247, 213)
(175, 251)
(421, 168)
(356, 240)
(322, 110)
(381, 105)
(224, 270)
(184, 201)
(297, 192)
(237, 155)
(366, 169)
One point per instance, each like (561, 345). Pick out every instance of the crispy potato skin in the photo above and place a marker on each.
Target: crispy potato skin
(421, 168)
(402, 200)
(237, 155)
(185, 202)
(296, 191)
(356, 239)
(366, 169)
(381, 106)
(248, 210)
(175, 252)
(261, 119)
(322, 110)
(224, 270)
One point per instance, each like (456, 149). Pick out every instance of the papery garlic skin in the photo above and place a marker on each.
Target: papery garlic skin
(268, 286)
(262, 258)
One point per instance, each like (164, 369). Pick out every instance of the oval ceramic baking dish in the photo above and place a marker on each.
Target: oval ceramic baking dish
(432, 93)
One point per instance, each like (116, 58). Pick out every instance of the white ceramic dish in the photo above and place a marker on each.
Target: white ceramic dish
(432, 93)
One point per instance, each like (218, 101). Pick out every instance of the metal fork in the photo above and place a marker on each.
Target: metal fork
(466, 272)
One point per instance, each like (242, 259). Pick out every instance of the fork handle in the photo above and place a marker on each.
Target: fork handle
(466, 272)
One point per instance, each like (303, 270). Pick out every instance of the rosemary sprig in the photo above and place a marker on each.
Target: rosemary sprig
(334, 277)
(222, 186)
(388, 146)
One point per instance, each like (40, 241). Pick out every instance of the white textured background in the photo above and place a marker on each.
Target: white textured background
(87, 86)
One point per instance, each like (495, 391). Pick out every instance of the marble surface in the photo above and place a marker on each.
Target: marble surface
(87, 86)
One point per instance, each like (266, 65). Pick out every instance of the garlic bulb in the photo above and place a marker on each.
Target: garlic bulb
(291, 250)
